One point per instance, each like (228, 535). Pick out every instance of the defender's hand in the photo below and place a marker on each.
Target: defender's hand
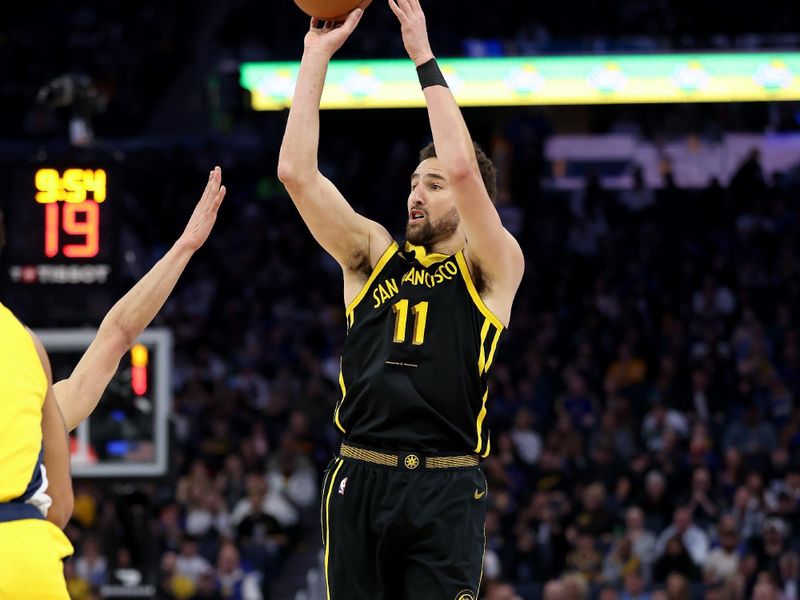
(205, 213)
(413, 29)
(329, 36)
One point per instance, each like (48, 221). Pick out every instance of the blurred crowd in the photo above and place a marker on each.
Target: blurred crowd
(643, 408)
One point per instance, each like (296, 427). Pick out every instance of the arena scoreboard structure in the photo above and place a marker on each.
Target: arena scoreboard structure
(127, 434)
(60, 225)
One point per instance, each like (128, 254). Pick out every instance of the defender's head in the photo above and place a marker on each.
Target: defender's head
(432, 214)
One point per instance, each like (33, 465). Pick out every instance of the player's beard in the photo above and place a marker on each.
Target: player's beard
(429, 233)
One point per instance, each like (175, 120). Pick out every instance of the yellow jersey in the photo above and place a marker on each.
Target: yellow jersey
(31, 549)
(23, 387)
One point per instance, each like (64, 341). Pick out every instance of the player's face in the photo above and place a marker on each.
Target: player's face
(432, 214)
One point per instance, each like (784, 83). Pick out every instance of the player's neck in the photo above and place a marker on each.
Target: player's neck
(448, 246)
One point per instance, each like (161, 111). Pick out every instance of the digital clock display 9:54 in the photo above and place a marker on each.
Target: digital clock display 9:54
(59, 225)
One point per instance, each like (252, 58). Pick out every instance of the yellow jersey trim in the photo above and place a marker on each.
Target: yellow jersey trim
(388, 253)
(425, 258)
(488, 448)
(339, 404)
(482, 356)
(328, 526)
(479, 423)
(489, 360)
(462, 264)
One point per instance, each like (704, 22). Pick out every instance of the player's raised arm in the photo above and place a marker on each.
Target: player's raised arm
(489, 245)
(56, 453)
(79, 394)
(343, 233)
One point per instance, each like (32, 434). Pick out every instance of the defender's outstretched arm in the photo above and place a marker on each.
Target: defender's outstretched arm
(78, 395)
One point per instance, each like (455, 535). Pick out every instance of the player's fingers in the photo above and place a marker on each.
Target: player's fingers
(405, 7)
(216, 179)
(352, 19)
(220, 197)
(315, 23)
(396, 9)
(207, 189)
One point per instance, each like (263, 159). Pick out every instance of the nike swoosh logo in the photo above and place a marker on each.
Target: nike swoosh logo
(479, 494)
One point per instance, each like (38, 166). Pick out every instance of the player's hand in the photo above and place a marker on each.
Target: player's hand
(329, 36)
(413, 29)
(205, 213)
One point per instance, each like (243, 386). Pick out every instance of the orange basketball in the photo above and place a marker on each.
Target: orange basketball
(327, 9)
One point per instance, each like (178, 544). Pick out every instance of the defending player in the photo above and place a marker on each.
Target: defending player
(404, 503)
(35, 478)
(31, 548)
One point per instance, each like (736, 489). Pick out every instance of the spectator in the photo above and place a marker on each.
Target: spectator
(723, 561)
(189, 564)
(634, 587)
(753, 437)
(655, 502)
(527, 442)
(674, 559)
(693, 537)
(700, 500)
(585, 558)
(292, 475)
(232, 581)
(660, 421)
(90, 564)
(620, 562)
(643, 541)
(771, 546)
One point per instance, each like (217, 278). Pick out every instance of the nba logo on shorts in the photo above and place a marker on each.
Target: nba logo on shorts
(342, 485)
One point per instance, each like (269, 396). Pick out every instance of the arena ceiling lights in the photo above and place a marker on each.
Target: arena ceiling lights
(548, 80)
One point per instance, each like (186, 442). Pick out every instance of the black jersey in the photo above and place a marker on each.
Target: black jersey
(420, 342)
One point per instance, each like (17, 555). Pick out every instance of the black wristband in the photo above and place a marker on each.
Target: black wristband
(429, 74)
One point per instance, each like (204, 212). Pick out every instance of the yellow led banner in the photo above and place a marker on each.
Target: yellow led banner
(622, 79)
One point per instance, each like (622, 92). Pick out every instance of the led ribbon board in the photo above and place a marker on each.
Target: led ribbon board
(605, 79)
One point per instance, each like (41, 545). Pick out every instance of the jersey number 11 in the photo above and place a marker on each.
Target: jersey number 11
(420, 312)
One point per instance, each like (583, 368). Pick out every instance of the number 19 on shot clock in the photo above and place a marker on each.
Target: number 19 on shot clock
(72, 202)
(60, 224)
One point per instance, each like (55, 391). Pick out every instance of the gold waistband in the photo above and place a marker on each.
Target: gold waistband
(411, 460)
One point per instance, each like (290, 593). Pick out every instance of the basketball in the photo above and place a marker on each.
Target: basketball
(327, 9)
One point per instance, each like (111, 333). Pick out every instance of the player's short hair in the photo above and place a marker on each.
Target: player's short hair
(488, 172)
(2, 231)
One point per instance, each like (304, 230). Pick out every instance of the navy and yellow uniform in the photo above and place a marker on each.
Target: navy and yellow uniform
(31, 548)
(404, 503)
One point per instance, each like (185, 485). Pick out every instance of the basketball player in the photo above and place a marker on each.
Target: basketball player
(404, 503)
(35, 481)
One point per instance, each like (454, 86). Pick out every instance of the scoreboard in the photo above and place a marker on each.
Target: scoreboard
(61, 229)
(62, 220)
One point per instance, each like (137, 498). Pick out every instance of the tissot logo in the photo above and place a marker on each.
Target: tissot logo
(59, 274)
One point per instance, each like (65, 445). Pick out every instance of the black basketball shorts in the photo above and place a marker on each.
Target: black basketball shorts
(402, 532)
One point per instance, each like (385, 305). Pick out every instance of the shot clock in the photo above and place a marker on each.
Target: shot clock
(71, 202)
(61, 216)
(60, 225)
